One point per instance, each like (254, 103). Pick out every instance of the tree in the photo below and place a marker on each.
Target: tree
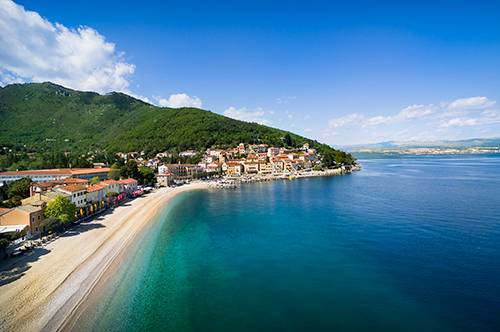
(287, 140)
(95, 180)
(62, 209)
(3, 191)
(112, 194)
(147, 175)
(50, 224)
(114, 172)
(328, 159)
(130, 170)
(18, 190)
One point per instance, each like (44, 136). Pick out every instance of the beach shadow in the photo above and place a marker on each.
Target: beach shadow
(12, 269)
(82, 228)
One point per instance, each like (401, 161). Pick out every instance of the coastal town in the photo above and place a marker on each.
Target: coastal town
(87, 192)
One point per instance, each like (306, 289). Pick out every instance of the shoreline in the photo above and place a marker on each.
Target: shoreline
(252, 178)
(49, 291)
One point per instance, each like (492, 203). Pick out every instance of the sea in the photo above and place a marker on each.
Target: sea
(409, 243)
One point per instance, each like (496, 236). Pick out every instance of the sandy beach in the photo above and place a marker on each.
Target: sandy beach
(43, 289)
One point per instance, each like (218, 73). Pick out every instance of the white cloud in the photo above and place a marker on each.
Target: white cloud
(461, 118)
(377, 120)
(419, 111)
(471, 103)
(345, 120)
(36, 50)
(244, 114)
(416, 111)
(460, 122)
(180, 100)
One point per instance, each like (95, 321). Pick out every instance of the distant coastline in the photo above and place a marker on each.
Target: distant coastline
(432, 151)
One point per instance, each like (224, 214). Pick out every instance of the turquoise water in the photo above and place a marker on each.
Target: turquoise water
(407, 244)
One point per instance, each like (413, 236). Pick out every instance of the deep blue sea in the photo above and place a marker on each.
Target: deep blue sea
(407, 244)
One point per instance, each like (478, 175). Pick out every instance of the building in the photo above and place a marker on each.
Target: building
(265, 168)
(41, 187)
(164, 179)
(271, 152)
(43, 198)
(184, 171)
(96, 197)
(278, 165)
(163, 169)
(213, 168)
(45, 175)
(128, 185)
(77, 194)
(241, 148)
(233, 168)
(188, 153)
(22, 216)
(259, 148)
(114, 186)
(251, 167)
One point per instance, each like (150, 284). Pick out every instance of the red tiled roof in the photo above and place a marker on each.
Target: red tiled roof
(80, 171)
(109, 181)
(73, 188)
(74, 181)
(4, 210)
(57, 171)
(127, 181)
(95, 187)
(164, 174)
(48, 184)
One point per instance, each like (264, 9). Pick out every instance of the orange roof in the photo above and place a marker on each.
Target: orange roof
(47, 184)
(128, 181)
(4, 210)
(109, 181)
(74, 181)
(80, 171)
(72, 187)
(57, 171)
(95, 187)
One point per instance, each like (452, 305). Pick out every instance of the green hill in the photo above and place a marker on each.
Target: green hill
(48, 117)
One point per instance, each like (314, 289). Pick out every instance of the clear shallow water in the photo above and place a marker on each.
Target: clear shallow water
(408, 244)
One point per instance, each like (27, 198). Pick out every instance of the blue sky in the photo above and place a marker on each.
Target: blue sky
(340, 72)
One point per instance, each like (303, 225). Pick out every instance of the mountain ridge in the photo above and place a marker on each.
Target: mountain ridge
(47, 116)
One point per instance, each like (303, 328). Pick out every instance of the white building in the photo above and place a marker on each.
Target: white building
(77, 194)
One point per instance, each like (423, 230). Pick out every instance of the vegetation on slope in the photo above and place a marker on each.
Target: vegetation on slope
(45, 120)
